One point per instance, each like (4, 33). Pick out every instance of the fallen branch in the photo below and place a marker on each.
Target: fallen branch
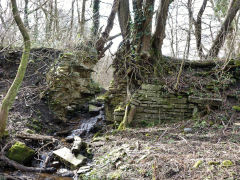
(35, 137)
(8, 177)
(25, 168)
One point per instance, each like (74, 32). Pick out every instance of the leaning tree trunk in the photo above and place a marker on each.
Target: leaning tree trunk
(222, 33)
(198, 28)
(159, 35)
(12, 92)
(105, 34)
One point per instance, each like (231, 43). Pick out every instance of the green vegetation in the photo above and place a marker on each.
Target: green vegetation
(21, 153)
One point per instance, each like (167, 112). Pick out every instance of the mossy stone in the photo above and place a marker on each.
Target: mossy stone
(197, 164)
(214, 163)
(227, 163)
(237, 108)
(20, 153)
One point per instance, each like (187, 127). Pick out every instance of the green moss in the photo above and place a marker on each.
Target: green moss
(197, 164)
(34, 124)
(227, 163)
(66, 54)
(237, 108)
(116, 175)
(102, 98)
(94, 86)
(6, 133)
(20, 153)
(214, 163)
(119, 108)
(237, 62)
(179, 97)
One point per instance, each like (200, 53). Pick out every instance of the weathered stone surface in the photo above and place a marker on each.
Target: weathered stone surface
(20, 153)
(84, 169)
(154, 105)
(69, 82)
(94, 109)
(67, 157)
(201, 101)
(151, 87)
(78, 145)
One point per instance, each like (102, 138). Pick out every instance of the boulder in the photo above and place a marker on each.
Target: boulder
(94, 109)
(20, 153)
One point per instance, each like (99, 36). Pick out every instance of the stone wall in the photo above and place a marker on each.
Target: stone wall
(155, 105)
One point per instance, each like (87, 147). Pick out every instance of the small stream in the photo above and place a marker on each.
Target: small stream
(90, 124)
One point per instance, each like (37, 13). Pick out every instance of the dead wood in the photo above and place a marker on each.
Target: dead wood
(25, 168)
(35, 137)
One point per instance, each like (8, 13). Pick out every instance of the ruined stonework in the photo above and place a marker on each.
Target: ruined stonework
(154, 105)
(115, 96)
(200, 91)
(69, 85)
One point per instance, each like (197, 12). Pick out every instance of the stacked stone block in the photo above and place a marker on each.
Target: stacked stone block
(154, 105)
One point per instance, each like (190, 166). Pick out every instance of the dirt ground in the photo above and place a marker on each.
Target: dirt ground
(168, 153)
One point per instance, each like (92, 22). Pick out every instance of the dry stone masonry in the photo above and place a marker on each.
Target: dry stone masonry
(154, 105)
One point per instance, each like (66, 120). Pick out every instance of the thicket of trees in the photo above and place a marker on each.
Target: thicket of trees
(196, 29)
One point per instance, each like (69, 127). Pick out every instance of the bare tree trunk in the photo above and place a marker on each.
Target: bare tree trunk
(1, 17)
(138, 23)
(159, 34)
(124, 17)
(48, 12)
(36, 17)
(147, 25)
(79, 16)
(26, 22)
(220, 38)
(82, 22)
(96, 17)
(198, 29)
(105, 35)
(56, 19)
(12, 92)
(187, 48)
(72, 19)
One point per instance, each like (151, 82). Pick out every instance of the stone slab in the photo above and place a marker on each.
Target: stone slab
(66, 155)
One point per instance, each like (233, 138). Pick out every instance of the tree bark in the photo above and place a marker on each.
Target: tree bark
(72, 21)
(96, 17)
(104, 37)
(124, 17)
(159, 35)
(198, 28)
(56, 19)
(26, 22)
(82, 22)
(147, 25)
(220, 38)
(12, 92)
(1, 17)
